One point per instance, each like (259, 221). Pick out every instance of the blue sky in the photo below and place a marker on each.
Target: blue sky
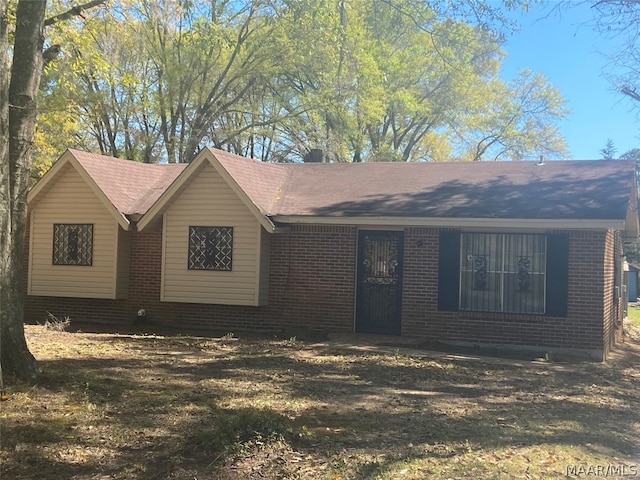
(571, 55)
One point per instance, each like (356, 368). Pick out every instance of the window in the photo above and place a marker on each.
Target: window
(210, 248)
(73, 244)
(543, 287)
(502, 272)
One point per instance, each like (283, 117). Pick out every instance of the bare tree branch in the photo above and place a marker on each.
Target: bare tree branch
(630, 92)
(75, 11)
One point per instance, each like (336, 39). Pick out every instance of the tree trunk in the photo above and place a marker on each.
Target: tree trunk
(15, 164)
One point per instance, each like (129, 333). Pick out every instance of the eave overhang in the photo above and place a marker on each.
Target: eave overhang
(453, 222)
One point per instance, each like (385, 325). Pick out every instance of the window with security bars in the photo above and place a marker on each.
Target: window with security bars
(503, 272)
(210, 248)
(73, 244)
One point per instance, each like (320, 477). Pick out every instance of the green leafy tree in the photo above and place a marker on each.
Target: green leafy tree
(427, 85)
(157, 80)
(363, 80)
(407, 96)
(515, 121)
(633, 154)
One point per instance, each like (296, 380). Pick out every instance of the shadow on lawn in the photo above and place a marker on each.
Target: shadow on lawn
(167, 410)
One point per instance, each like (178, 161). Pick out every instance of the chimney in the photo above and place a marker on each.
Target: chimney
(315, 155)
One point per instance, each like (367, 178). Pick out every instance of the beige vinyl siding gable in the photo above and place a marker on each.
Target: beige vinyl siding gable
(70, 200)
(209, 201)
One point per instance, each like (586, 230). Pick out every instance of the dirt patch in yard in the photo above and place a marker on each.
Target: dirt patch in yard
(183, 407)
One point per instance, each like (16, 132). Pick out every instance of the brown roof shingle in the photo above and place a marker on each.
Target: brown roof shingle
(262, 182)
(131, 187)
(555, 190)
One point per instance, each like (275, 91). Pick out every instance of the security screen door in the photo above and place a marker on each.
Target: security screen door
(379, 287)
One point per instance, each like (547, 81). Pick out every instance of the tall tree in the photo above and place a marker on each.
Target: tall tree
(19, 84)
(18, 108)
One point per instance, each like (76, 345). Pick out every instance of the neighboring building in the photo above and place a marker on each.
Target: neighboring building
(486, 253)
(631, 271)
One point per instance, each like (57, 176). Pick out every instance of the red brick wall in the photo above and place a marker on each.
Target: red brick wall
(614, 300)
(581, 329)
(420, 284)
(313, 277)
(312, 284)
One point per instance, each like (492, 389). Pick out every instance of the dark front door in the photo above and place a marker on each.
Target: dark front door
(379, 292)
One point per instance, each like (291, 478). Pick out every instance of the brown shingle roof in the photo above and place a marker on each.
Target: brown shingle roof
(556, 190)
(131, 187)
(262, 182)
(587, 189)
(590, 190)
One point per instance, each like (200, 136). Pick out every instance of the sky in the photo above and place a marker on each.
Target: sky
(563, 47)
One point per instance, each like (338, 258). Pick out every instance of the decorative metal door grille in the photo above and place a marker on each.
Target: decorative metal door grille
(210, 248)
(503, 273)
(73, 244)
(379, 294)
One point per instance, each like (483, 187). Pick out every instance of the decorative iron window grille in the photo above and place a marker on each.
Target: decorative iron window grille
(380, 260)
(503, 272)
(210, 248)
(73, 244)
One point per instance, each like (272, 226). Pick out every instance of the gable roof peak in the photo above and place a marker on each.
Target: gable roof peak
(127, 188)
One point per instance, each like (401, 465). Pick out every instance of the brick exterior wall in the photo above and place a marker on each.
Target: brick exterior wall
(313, 277)
(614, 304)
(312, 285)
(591, 300)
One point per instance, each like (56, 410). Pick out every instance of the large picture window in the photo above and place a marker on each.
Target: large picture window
(502, 272)
(73, 244)
(210, 248)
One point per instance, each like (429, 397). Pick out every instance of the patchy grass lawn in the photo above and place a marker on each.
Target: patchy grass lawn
(155, 407)
(633, 314)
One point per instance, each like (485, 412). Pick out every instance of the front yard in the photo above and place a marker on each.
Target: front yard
(156, 407)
